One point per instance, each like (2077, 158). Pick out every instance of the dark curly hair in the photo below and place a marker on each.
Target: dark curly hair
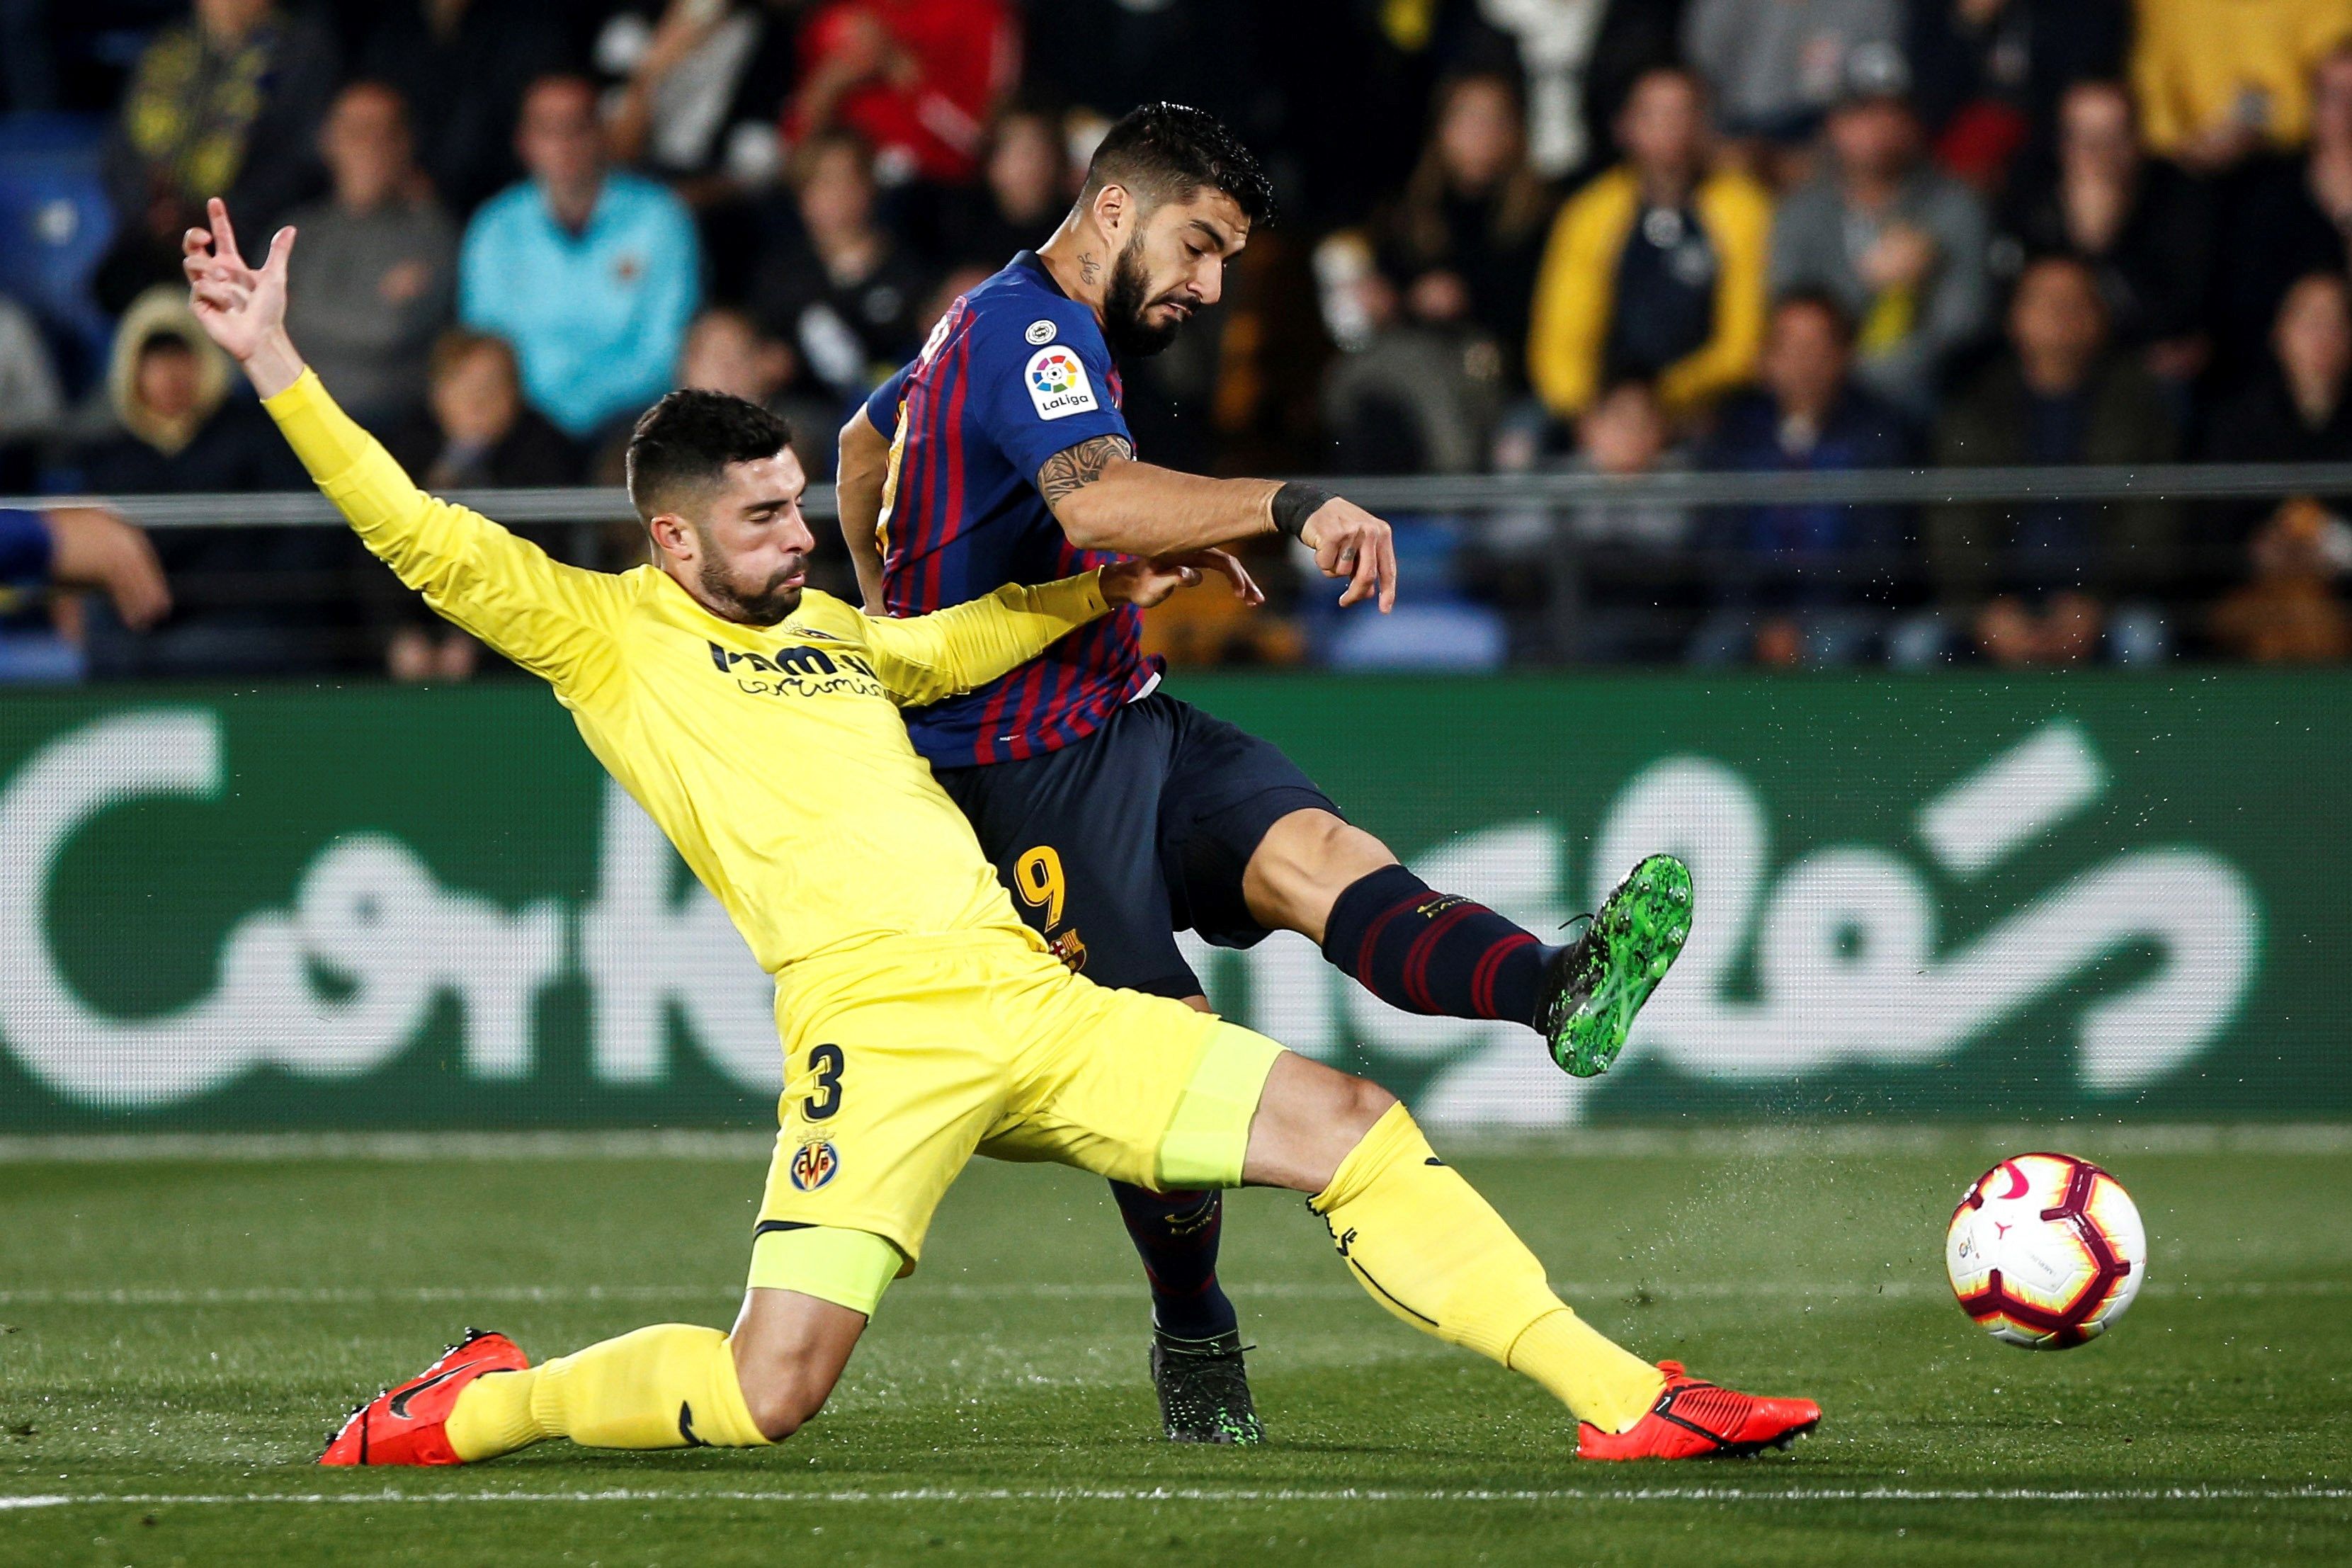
(1165, 151)
(686, 441)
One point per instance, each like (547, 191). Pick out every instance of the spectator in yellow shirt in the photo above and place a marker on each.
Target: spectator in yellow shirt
(2218, 80)
(1657, 267)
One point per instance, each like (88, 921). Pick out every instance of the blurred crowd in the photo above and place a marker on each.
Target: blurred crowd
(1617, 237)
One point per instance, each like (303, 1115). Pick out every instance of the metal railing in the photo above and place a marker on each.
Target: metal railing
(1412, 493)
(1566, 583)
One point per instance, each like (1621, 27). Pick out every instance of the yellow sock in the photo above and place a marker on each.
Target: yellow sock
(1432, 1252)
(670, 1386)
(1585, 1370)
(492, 1416)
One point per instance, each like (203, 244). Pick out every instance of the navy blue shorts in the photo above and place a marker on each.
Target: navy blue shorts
(1112, 844)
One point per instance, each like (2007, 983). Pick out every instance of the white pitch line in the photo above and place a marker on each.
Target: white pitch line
(1695, 1494)
(1830, 1138)
(588, 1295)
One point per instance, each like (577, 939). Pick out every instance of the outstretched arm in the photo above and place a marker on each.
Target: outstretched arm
(924, 658)
(548, 617)
(1105, 499)
(861, 492)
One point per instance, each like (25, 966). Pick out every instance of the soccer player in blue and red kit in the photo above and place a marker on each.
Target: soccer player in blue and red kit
(1116, 813)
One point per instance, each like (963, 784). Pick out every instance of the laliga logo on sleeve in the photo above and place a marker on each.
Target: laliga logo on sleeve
(1057, 384)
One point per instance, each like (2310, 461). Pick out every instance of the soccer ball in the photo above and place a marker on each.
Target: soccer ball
(2046, 1251)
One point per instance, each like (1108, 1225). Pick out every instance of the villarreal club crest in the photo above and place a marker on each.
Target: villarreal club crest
(815, 1166)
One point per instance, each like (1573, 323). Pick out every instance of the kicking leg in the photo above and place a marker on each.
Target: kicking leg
(1410, 945)
(1426, 1246)
(1438, 954)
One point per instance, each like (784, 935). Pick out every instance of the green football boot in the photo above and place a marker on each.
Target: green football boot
(1593, 987)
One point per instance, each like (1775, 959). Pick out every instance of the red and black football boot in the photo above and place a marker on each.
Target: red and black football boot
(1698, 1420)
(403, 1426)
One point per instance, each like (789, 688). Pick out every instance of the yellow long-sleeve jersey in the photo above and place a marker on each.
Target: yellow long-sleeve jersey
(2198, 64)
(774, 757)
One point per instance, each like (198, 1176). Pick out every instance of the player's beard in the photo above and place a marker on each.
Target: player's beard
(1125, 327)
(761, 606)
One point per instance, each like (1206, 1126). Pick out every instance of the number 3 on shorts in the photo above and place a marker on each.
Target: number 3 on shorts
(826, 1062)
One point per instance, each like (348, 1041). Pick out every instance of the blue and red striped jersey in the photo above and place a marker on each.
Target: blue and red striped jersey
(1015, 372)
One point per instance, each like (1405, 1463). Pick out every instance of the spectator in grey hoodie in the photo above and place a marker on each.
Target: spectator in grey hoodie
(1898, 244)
(378, 261)
(30, 399)
(1776, 65)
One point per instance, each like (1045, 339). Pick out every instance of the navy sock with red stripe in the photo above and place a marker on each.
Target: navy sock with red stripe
(1177, 1233)
(1434, 952)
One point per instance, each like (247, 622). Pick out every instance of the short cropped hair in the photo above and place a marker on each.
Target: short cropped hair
(833, 137)
(455, 346)
(166, 341)
(2070, 260)
(686, 441)
(1166, 152)
(1842, 325)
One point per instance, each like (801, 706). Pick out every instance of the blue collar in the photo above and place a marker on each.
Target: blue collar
(1030, 262)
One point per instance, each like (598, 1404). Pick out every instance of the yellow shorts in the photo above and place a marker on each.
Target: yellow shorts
(905, 1058)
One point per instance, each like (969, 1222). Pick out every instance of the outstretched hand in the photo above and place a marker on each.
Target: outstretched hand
(1144, 583)
(1350, 542)
(92, 548)
(241, 307)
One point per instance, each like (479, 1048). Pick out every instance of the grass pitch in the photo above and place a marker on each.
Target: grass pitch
(177, 1336)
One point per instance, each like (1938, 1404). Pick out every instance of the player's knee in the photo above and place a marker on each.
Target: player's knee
(1357, 1104)
(1327, 847)
(784, 1387)
(1302, 865)
(782, 1398)
(1308, 1121)
(1350, 1107)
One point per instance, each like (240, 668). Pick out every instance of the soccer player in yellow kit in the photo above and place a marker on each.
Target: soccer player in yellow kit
(757, 722)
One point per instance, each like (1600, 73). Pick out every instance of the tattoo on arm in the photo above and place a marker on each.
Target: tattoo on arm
(1073, 469)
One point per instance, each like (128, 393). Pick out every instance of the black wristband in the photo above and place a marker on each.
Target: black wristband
(1293, 503)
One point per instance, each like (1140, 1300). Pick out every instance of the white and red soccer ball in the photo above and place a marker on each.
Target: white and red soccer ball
(2046, 1251)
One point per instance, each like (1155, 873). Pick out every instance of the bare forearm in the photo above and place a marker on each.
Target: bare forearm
(96, 548)
(274, 365)
(1105, 499)
(624, 133)
(858, 498)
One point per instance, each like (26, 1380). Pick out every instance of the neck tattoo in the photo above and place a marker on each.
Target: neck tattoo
(1089, 269)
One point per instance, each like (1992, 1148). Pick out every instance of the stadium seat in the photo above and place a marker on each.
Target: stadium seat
(38, 658)
(55, 224)
(1433, 625)
(1421, 637)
